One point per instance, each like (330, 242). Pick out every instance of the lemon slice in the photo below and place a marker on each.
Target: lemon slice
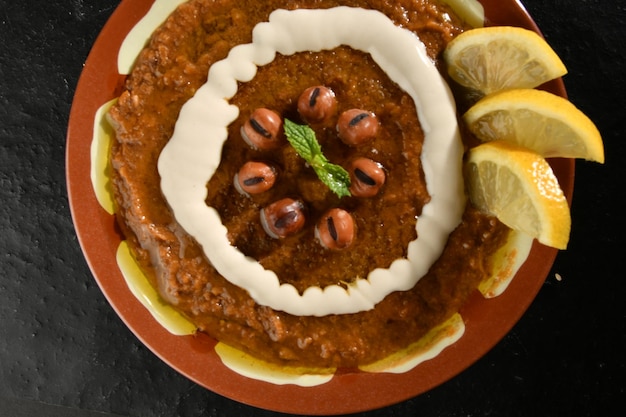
(547, 124)
(518, 187)
(502, 57)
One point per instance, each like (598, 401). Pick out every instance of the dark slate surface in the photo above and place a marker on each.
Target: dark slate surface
(64, 352)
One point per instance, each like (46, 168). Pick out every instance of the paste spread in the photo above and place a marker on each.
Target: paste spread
(172, 68)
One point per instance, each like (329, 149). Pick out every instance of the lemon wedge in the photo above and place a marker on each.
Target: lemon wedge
(518, 186)
(469, 10)
(543, 122)
(496, 58)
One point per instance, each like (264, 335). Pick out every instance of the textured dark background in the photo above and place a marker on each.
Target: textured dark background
(64, 352)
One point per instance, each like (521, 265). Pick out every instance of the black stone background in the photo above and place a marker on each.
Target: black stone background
(64, 352)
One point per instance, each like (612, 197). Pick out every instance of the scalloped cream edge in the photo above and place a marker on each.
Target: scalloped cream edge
(192, 155)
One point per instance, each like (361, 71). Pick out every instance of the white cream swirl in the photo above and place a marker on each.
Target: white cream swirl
(193, 154)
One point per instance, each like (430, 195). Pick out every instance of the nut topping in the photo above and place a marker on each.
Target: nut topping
(336, 229)
(262, 130)
(366, 177)
(317, 104)
(356, 127)
(283, 218)
(255, 178)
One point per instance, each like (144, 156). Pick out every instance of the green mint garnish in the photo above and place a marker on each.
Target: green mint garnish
(303, 140)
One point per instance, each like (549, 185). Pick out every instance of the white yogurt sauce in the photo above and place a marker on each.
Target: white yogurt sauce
(193, 154)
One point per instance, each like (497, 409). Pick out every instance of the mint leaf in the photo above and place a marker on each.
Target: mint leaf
(336, 178)
(303, 140)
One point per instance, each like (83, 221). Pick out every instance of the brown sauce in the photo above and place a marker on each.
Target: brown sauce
(169, 71)
(388, 217)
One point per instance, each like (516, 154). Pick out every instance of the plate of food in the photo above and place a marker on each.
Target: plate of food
(322, 207)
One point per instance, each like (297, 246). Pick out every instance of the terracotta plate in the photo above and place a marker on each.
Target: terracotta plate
(487, 321)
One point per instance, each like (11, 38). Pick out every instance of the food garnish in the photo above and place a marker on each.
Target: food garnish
(518, 186)
(303, 140)
(548, 124)
(317, 104)
(497, 58)
(367, 177)
(507, 176)
(255, 177)
(336, 229)
(283, 218)
(356, 127)
(262, 129)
